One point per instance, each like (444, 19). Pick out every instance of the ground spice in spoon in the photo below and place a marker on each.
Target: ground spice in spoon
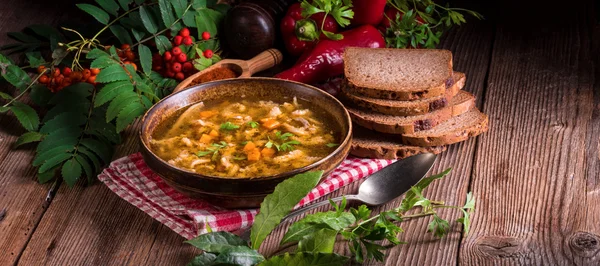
(215, 74)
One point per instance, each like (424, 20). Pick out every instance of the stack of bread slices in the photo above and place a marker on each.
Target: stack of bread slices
(407, 101)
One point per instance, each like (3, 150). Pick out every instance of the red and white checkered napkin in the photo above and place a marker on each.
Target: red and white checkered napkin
(133, 181)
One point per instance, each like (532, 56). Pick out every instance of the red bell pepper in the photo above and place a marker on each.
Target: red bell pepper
(300, 34)
(325, 60)
(367, 12)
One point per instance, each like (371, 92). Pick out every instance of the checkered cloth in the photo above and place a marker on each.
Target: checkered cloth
(133, 181)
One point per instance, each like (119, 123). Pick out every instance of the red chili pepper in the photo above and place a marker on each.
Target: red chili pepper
(325, 60)
(300, 34)
(367, 12)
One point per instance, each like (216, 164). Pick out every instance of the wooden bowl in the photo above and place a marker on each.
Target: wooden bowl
(241, 192)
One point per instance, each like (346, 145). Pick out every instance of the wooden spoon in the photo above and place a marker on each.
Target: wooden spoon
(244, 69)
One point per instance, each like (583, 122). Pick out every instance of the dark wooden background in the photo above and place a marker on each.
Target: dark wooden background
(534, 67)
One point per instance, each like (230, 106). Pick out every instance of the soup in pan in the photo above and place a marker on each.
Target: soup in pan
(246, 138)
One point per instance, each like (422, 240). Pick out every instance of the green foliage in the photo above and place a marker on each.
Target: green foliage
(306, 259)
(28, 118)
(421, 23)
(223, 248)
(96, 12)
(278, 204)
(28, 137)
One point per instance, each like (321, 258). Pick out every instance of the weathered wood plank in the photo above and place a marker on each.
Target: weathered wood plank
(22, 200)
(536, 172)
(93, 226)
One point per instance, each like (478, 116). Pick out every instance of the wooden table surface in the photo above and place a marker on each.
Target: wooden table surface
(535, 174)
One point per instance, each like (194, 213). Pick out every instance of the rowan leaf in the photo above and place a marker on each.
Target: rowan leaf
(101, 149)
(95, 53)
(40, 94)
(15, 76)
(71, 171)
(166, 12)
(205, 23)
(189, 19)
(28, 118)
(162, 43)
(5, 96)
(112, 73)
(109, 6)
(48, 175)
(54, 161)
(44, 155)
(148, 20)
(179, 6)
(121, 33)
(92, 157)
(99, 14)
(63, 120)
(116, 105)
(87, 168)
(28, 137)
(111, 90)
(63, 136)
(125, 4)
(129, 113)
(145, 56)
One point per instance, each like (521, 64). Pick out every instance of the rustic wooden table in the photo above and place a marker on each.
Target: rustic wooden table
(535, 174)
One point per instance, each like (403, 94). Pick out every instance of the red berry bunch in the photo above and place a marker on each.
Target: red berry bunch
(56, 79)
(175, 63)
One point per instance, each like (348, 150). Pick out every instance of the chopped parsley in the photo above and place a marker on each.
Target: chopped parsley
(285, 145)
(253, 124)
(229, 126)
(214, 150)
(331, 145)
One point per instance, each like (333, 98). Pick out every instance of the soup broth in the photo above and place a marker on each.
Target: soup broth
(245, 139)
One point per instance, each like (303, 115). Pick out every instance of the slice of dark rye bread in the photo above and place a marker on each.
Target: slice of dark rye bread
(461, 103)
(456, 129)
(406, 108)
(397, 74)
(369, 144)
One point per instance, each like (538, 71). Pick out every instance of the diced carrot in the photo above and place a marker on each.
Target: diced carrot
(254, 155)
(267, 152)
(271, 124)
(206, 139)
(266, 119)
(214, 133)
(207, 114)
(249, 146)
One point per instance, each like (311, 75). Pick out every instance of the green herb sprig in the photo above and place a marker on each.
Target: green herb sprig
(214, 150)
(286, 145)
(340, 10)
(315, 235)
(228, 126)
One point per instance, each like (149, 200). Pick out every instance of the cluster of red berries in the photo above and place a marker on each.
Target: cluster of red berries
(57, 79)
(127, 56)
(175, 63)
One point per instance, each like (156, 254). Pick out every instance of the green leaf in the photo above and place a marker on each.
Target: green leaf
(109, 5)
(166, 12)
(95, 53)
(189, 19)
(15, 76)
(45, 155)
(112, 73)
(110, 91)
(121, 34)
(4, 109)
(148, 20)
(306, 259)
(71, 171)
(22, 37)
(116, 105)
(216, 242)
(87, 168)
(64, 136)
(46, 31)
(5, 96)
(40, 94)
(179, 6)
(438, 226)
(129, 113)
(48, 175)
(63, 120)
(228, 126)
(101, 149)
(162, 43)
(103, 62)
(92, 157)
(145, 58)
(99, 14)
(28, 118)
(203, 259)
(410, 198)
(239, 255)
(314, 222)
(199, 4)
(470, 202)
(333, 36)
(35, 59)
(322, 240)
(466, 221)
(53, 161)
(28, 137)
(125, 4)
(205, 23)
(279, 203)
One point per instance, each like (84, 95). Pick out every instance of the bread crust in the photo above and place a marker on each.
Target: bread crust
(390, 152)
(405, 108)
(479, 127)
(419, 123)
